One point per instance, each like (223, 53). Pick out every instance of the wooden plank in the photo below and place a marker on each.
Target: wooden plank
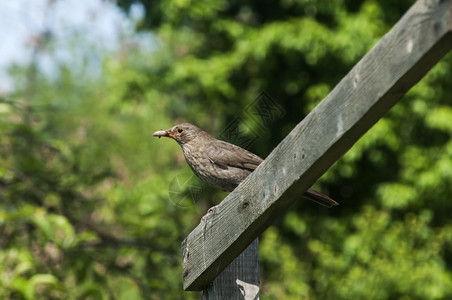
(239, 280)
(402, 57)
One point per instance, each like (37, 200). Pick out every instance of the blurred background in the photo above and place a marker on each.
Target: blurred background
(93, 207)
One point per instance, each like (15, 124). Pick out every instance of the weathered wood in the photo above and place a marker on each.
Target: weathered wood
(375, 84)
(239, 280)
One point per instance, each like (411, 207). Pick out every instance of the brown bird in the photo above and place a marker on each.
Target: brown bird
(220, 164)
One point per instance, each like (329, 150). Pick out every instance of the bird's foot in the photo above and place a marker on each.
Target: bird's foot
(209, 211)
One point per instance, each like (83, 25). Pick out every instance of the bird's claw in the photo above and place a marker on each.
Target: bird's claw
(209, 211)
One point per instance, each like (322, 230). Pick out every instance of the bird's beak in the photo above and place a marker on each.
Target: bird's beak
(161, 133)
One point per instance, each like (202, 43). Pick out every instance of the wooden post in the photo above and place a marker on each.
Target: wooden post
(239, 280)
(401, 58)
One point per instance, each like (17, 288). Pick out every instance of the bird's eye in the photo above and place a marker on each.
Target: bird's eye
(180, 130)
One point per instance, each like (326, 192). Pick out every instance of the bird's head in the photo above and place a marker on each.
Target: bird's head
(181, 133)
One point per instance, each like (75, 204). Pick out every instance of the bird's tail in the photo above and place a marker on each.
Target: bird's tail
(319, 198)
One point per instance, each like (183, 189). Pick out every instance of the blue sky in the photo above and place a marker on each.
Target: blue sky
(98, 26)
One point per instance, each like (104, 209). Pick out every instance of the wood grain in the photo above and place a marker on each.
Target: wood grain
(239, 280)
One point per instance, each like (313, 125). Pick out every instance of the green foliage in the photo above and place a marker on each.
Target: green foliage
(400, 257)
(84, 214)
(86, 209)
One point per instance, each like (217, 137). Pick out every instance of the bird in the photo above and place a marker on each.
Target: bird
(220, 164)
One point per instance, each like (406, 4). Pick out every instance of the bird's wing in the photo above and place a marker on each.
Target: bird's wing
(225, 154)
